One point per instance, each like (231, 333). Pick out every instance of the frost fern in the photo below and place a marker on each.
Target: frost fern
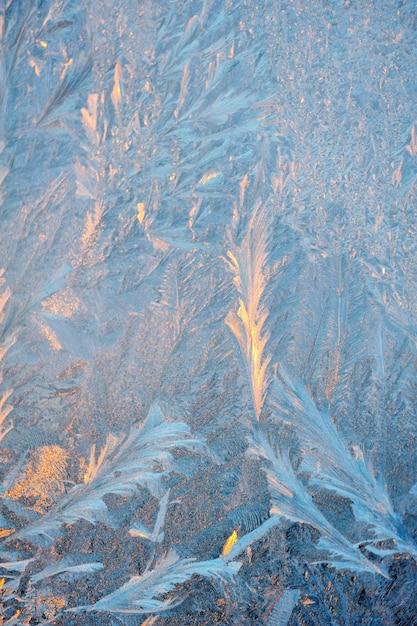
(333, 468)
(248, 263)
(290, 500)
(141, 593)
(140, 458)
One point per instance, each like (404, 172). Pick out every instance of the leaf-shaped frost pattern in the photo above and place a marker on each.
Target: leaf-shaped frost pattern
(248, 263)
(290, 500)
(140, 593)
(332, 467)
(64, 567)
(140, 458)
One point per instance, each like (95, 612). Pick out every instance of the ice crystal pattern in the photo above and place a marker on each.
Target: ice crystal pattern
(208, 312)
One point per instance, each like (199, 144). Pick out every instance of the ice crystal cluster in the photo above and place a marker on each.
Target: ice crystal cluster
(208, 312)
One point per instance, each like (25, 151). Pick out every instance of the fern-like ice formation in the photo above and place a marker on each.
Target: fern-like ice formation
(290, 500)
(64, 567)
(140, 458)
(248, 262)
(333, 468)
(141, 593)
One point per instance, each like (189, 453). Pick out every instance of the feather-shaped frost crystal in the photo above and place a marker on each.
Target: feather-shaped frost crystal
(141, 593)
(334, 468)
(290, 499)
(139, 458)
(248, 264)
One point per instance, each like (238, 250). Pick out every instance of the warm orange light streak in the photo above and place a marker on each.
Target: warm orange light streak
(229, 543)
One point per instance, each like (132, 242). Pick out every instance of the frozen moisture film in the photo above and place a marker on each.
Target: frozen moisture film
(208, 312)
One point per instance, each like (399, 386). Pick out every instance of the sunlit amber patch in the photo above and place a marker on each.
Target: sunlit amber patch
(36, 67)
(230, 542)
(63, 303)
(141, 212)
(51, 337)
(149, 620)
(44, 479)
(137, 533)
(207, 177)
